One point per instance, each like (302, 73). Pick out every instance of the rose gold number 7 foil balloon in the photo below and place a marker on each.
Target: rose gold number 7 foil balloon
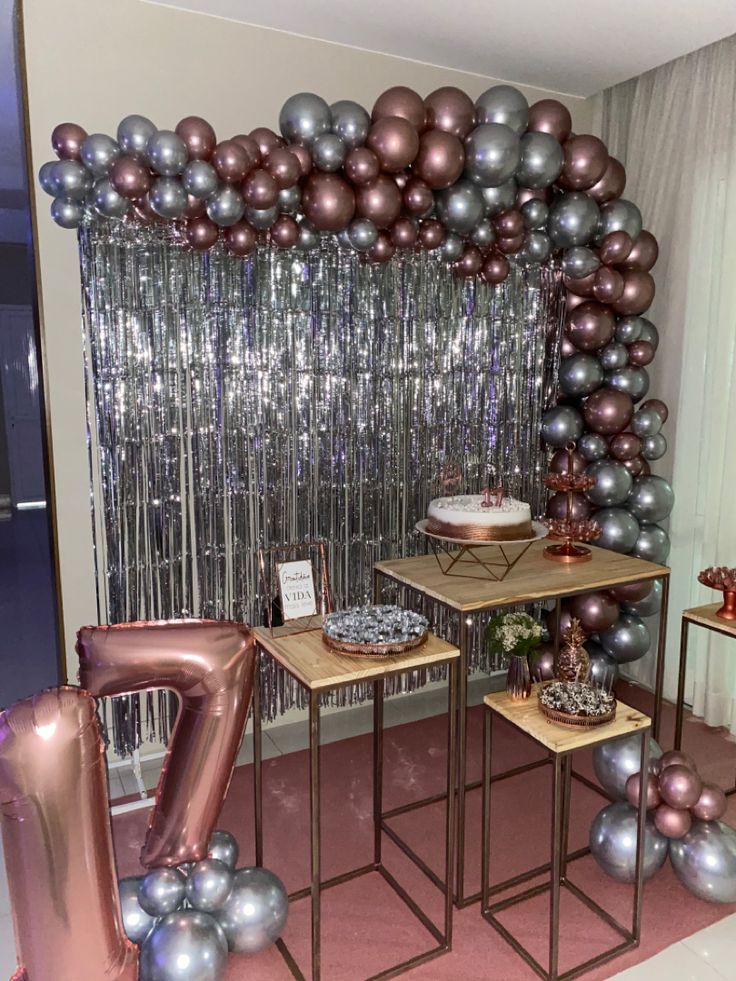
(210, 665)
(58, 843)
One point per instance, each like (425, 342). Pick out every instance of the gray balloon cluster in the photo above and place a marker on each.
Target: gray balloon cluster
(187, 919)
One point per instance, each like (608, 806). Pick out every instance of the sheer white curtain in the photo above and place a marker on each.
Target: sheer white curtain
(674, 129)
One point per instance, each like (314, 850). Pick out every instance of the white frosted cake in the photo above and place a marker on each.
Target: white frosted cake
(469, 516)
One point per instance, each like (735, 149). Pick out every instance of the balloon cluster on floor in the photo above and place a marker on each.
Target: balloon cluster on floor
(187, 918)
(682, 820)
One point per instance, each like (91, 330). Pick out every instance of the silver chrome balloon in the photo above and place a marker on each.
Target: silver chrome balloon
(652, 544)
(262, 218)
(631, 379)
(653, 447)
(168, 198)
(224, 848)
(628, 329)
(483, 234)
(537, 247)
(184, 946)
(613, 839)
(492, 154)
(452, 247)
(580, 374)
(460, 207)
(603, 668)
(209, 884)
(308, 238)
(47, 179)
(498, 199)
(69, 179)
(161, 891)
(107, 201)
(619, 530)
(613, 483)
(615, 761)
(613, 356)
(226, 206)
(255, 914)
(362, 234)
(573, 219)
(66, 213)
(619, 215)
(290, 199)
(560, 424)
(535, 213)
(350, 121)
(646, 422)
(627, 640)
(592, 446)
(704, 861)
(134, 132)
(503, 104)
(304, 117)
(136, 922)
(166, 153)
(200, 179)
(541, 160)
(579, 261)
(97, 152)
(328, 152)
(651, 498)
(649, 333)
(648, 606)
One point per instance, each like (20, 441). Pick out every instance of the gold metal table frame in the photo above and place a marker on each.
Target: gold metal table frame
(532, 579)
(321, 670)
(561, 744)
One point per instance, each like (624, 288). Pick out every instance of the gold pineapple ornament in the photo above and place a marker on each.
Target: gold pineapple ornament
(573, 662)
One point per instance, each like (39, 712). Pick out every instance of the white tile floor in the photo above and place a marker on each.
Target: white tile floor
(709, 955)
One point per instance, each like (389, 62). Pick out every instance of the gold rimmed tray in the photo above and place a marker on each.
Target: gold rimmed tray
(577, 721)
(374, 650)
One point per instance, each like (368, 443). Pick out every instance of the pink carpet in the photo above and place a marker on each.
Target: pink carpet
(366, 928)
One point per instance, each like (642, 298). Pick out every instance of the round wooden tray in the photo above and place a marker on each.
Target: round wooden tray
(374, 650)
(538, 529)
(577, 721)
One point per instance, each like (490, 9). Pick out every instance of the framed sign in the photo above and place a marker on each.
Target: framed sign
(296, 585)
(296, 588)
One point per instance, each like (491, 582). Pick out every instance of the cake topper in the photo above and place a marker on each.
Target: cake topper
(492, 497)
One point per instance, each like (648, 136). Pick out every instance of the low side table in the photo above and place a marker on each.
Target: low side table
(701, 616)
(320, 670)
(561, 742)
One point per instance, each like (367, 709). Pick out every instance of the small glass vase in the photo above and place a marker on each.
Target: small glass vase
(518, 678)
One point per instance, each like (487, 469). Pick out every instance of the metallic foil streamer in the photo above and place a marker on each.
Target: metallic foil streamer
(236, 403)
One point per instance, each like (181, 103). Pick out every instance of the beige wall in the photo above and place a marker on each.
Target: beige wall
(95, 61)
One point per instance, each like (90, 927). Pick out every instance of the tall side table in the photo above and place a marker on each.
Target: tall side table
(320, 670)
(560, 742)
(532, 578)
(701, 616)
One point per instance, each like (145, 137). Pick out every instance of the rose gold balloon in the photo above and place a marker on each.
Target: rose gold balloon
(572, 300)
(596, 611)
(304, 157)
(635, 466)
(608, 411)
(440, 159)
(590, 326)
(361, 165)
(266, 139)
(201, 234)
(675, 757)
(195, 207)
(659, 406)
(608, 285)
(394, 141)
(511, 244)
(382, 249)
(402, 179)
(129, 177)
(633, 789)
(586, 159)
(560, 463)
(557, 506)
(251, 148)
(625, 446)
(672, 822)
(525, 194)
(231, 161)
(470, 262)
(58, 843)
(637, 295)
(260, 190)
(615, 247)
(711, 805)
(565, 621)
(431, 234)
(632, 592)
(611, 185)
(404, 102)
(580, 287)
(644, 252)
(198, 136)
(550, 116)
(329, 202)
(450, 110)
(508, 224)
(641, 353)
(418, 196)
(679, 785)
(380, 201)
(645, 467)
(285, 232)
(211, 666)
(67, 139)
(283, 166)
(404, 233)
(241, 238)
(495, 268)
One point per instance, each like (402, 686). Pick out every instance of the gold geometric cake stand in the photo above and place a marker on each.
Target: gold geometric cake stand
(479, 559)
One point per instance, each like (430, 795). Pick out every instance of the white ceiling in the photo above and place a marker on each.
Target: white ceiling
(576, 47)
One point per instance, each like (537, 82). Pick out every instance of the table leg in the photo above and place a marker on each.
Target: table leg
(486, 831)
(556, 868)
(314, 787)
(452, 693)
(566, 793)
(378, 692)
(462, 743)
(641, 828)
(681, 683)
(258, 759)
(661, 641)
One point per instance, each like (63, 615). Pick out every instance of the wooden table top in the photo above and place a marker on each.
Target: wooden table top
(558, 738)
(705, 616)
(532, 578)
(317, 667)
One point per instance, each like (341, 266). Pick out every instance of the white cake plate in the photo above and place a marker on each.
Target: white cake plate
(479, 559)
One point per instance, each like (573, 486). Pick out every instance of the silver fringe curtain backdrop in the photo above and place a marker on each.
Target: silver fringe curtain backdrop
(239, 403)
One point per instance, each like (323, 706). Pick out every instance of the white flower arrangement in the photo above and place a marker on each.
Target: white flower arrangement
(513, 633)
